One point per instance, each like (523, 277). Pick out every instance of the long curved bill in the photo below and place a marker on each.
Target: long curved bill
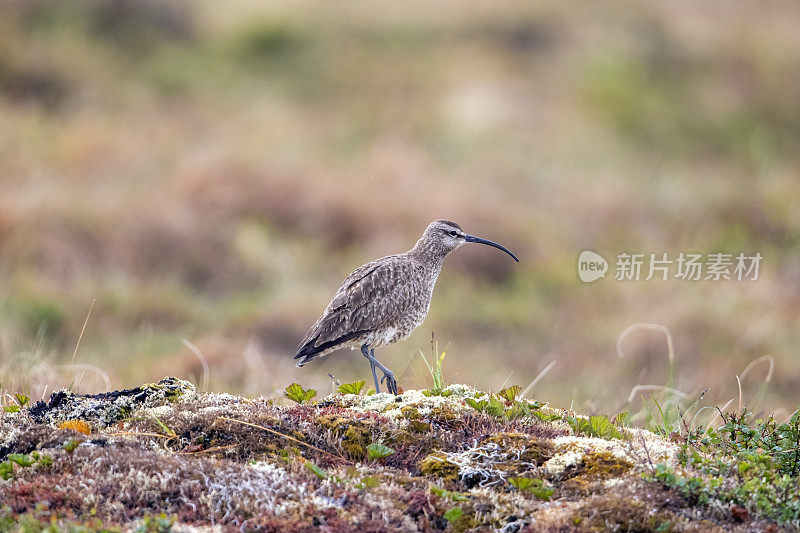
(471, 238)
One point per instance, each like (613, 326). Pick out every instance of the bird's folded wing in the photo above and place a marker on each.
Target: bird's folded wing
(374, 295)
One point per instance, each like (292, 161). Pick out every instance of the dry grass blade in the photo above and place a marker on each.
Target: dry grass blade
(537, 378)
(83, 329)
(284, 436)
(764, 358)
(645, 325)
(739, 384)
(203, 361)
(638, 388)
(138, 434)
(209, 450)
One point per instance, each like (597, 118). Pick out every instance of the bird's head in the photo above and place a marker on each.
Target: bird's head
(443, 236)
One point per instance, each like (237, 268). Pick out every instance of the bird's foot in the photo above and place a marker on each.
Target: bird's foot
(391, 383)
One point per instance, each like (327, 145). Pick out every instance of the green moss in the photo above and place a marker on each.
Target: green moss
(443, 415)
(419, 426)
(354, 435)
(603, 465)
(535, 449)
(465, 522)
(410, 412)
(594, 467)
(416, 422)
(436, 465)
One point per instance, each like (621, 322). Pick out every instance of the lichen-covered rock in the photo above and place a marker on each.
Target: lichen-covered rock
(108, 407)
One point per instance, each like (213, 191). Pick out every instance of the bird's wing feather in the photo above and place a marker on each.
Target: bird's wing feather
(373, 295)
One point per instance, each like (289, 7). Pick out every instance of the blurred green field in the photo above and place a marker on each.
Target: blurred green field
(211, 171)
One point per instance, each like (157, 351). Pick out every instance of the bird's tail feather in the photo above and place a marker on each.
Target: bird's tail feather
(310, 351)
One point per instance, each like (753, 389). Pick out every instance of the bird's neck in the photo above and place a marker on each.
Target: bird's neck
(429, 252)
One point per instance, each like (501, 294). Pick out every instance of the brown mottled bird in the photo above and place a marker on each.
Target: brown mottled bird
(385, 300)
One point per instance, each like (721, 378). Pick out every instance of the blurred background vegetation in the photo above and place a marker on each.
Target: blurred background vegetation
(212, 170)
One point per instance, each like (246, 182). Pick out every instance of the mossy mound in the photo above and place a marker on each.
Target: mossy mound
(594, 469)
(160, 455)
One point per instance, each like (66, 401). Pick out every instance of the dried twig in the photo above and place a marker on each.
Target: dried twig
(284, 436)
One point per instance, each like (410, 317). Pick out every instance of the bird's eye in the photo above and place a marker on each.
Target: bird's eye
(453, 233)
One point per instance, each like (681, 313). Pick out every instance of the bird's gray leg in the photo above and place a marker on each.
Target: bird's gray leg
(391, 383)
(374, 376)
(372, 365)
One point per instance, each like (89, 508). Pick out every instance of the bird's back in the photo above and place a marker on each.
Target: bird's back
(380, 300)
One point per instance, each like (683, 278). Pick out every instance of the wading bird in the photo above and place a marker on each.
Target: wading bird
(383, 301)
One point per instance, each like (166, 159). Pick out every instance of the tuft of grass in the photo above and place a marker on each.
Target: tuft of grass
(435, 369)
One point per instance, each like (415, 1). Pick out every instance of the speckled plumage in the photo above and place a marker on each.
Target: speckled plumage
(383, 301)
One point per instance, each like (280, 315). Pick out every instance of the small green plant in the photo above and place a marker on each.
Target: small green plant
(314, 469)
(21, 401)
(517, 410)
(168, 431)
(669, 417)
(478, 405)
(495, 407)
(501, 409)
(450, 495)
(621, 419)
(521, 483)
(23, 461)
(377, 450)
(545, 417)
(453, 514)
(70, 445)
(509, 394)
(535, 486)
(6, 470)
(298, 394)
(368, 482)
(352, 388)
(595, 426)
(155, 524)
